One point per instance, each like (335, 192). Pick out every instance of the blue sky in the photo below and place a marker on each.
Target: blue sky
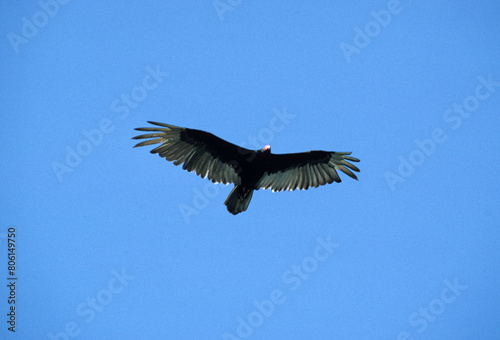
(113, 242)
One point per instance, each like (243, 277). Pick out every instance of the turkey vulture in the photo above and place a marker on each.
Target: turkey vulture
(223, 162)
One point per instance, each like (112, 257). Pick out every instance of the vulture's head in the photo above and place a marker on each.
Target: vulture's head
(266, 149)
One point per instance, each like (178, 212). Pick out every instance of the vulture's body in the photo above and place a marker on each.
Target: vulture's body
(223, 162)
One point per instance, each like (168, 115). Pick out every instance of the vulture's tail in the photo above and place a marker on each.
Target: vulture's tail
(238, 200)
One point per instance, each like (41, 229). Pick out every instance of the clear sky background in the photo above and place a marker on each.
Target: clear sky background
(115, 243)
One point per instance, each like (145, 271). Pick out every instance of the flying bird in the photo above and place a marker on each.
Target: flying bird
(223, 162)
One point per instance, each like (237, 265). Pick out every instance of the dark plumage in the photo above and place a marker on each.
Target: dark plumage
(223, 162)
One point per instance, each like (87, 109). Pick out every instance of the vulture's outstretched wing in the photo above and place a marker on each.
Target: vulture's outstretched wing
(200, 151)
(306, 169)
